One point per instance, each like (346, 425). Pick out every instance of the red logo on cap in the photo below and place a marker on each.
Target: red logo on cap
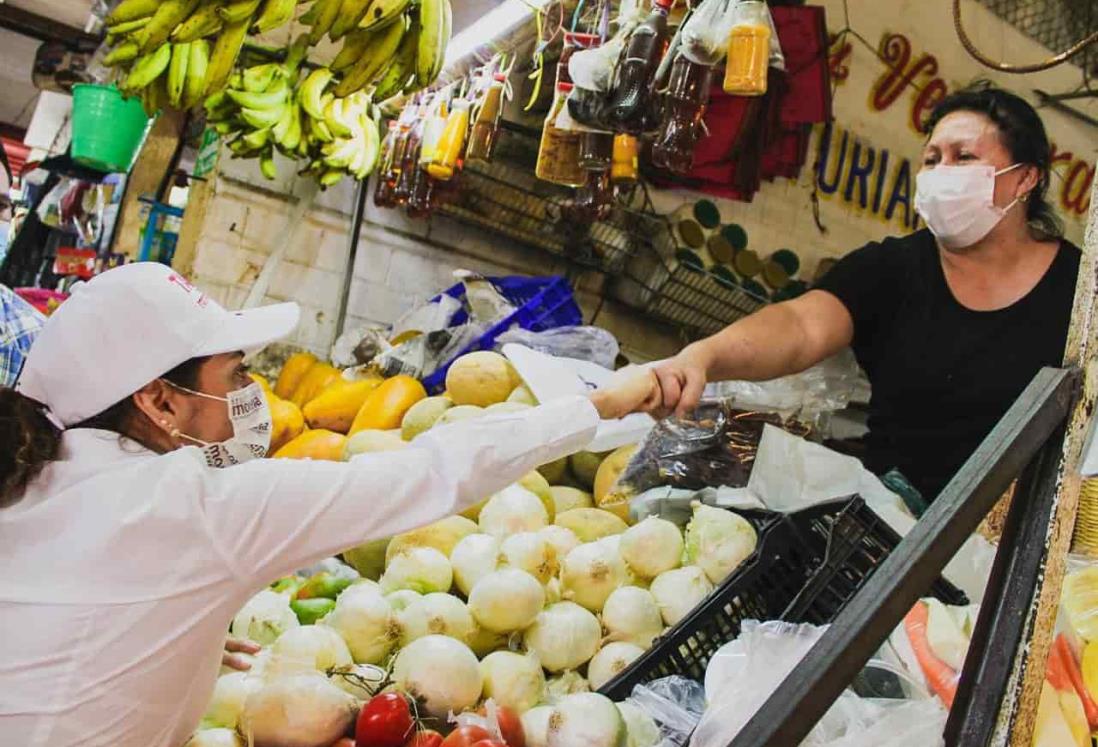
(202, 301)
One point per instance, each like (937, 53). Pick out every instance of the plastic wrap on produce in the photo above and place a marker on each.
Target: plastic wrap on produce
(427, 352)
(675, 703)
(592, 344)
(428, 317)
(714, 446)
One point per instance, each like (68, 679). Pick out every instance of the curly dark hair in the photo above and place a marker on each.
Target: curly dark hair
(29, 441)
(1023, 134)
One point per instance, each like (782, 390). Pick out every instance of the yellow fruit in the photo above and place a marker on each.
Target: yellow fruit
(555, 472)
(1080, 601)
(287, 422)
(318, 444)
(482, 378)
(504, 408)
(585, 466)
(368, 559)
(262, 381)
(405, 336)
(386, 406)
(335, 407)
(370, 441)
(1090, 668)
(316, 380)
(423, 415)
(461, 412)
(442, 536)
(591, 524)
(523, 395)
(293, 371)
(605, 478)
(565, 499)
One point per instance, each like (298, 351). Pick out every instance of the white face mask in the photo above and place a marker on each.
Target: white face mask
(251, 420)
(958, 203)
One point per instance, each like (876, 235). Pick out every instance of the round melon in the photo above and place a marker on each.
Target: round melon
(585, 466)
(523, 395)
(368, 441)
(482, 378)
(555, 472)
(461, 412)
(566, 498)
(423, 415)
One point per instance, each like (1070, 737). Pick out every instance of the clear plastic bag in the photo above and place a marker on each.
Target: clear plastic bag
(359, 346)
(715, 446)
(675, 703)
(705, 35)
(483, 300)
(424, 354)
(428, 317)
(592, 344)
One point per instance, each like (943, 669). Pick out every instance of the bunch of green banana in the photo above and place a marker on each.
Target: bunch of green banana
(341, 131)
(200, 39)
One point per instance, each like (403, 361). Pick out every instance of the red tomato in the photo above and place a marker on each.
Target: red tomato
(466, 736)
(491, 743)
(427, 738)
(385, 721)
(510, 725)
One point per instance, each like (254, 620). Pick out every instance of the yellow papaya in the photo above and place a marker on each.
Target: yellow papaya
(385, 406)
(335, 408)
(293, 371)
(316, 444)
(318, 378)
(286, 422)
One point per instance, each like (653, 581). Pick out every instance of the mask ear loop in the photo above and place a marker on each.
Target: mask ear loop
(184, 389)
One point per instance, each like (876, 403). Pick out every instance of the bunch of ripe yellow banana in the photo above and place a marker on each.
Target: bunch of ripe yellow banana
(266, 108)
(176, 52)
(389, 46)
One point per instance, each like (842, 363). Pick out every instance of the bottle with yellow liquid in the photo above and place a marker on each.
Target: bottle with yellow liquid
(748, 50)
(451, 142)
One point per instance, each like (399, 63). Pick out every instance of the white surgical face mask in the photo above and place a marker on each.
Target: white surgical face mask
(251, 420)
(958, 203)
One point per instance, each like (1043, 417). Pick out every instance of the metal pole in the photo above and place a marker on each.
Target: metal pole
(357, 216)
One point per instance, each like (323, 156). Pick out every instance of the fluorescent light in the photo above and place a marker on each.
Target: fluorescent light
(490, 26)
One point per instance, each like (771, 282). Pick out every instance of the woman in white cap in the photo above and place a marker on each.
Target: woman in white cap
(126, 552)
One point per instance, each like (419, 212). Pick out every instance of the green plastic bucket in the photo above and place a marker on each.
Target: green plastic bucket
(107, 130)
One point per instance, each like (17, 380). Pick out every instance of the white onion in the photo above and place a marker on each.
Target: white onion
(318, 644)
(506, 600)
(631, 614)
(652, 547)
(513, 509)
(513, 680)
(718, 541)
(473, 558)
(421, 569)
(566, 683)
(227, 702)
(610, 661)
(586, 720)
(363, 681)
(365, 621)
(563, 539)
(264, 617)
(531, 552)
(640, 727)
(484, 642)
(435, 614)
(564, 636)
(440, 671)
(297, 710)
(401, 598)
(535, 726)
(680, 590)
(214, 738)
(590, 573)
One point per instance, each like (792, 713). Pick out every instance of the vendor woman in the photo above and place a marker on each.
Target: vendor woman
(135, 520)
(950, 323)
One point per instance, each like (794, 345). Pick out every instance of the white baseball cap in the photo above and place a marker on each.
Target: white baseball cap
(126, 328)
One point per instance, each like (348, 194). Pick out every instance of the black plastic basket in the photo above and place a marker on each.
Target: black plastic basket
(806, 567)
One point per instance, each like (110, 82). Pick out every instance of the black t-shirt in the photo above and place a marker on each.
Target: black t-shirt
(942, 374)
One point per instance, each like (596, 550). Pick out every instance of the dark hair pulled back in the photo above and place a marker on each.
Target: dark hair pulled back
(29, 441)
(1023, 134)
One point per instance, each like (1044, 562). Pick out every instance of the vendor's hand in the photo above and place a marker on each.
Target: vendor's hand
(633, 389)
(235, 646)
(682, 381)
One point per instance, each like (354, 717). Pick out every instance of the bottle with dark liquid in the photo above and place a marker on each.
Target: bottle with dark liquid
(683, 107)
(485, 130)
(409, 162)
(627, 106)
(385, 189)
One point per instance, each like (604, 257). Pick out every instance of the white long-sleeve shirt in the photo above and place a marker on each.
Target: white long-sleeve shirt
(122, 569)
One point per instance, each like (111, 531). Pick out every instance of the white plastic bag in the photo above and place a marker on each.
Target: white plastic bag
(705, 33)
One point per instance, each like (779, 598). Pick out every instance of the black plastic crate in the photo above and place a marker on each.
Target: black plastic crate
(807, 566)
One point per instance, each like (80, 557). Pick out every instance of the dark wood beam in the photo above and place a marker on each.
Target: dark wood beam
(45, 29)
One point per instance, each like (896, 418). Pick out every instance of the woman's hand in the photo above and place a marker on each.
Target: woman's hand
(633, 389)
(235, 646)
(682, 381)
